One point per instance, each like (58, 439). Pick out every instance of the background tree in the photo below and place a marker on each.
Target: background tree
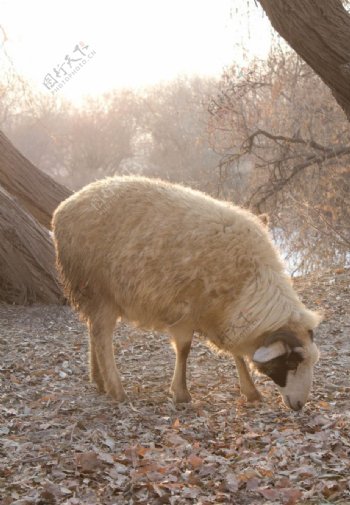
(160, 132)
(27, 258)
(78, 144)
(318, 30)
(27, 200)
(284, 138)
(174, 131)
(38, 193)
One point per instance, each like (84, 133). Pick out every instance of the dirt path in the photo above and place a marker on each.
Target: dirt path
(61, 442)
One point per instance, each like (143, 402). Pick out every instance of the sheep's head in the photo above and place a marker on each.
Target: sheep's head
(288, 358)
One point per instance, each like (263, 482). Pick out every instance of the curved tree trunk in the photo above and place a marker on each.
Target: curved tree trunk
(319, 31)
(28, 198)
(27, 257)
(38, 193)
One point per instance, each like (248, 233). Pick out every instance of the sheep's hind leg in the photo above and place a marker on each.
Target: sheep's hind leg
(182, 346)
(95, 373)
(248, 388)
(103, 368)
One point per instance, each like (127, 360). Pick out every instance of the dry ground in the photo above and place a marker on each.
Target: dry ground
(61, 442)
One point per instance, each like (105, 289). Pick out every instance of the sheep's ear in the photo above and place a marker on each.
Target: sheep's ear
(272, 351)
(286, 336)
(264, 218)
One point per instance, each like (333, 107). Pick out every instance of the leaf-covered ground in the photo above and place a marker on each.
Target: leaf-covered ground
(61, 442)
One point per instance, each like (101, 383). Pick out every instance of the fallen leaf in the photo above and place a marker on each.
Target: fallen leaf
(269, 493)
(290, 496)
(87, 461)
(106, 457)
(141, 451)
(231, 482)
(195, 461)
(176, 423)
(176, 440)
(253, 483)
(248, 474)
(324, 405)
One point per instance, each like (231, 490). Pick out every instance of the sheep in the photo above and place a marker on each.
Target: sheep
(169, 258)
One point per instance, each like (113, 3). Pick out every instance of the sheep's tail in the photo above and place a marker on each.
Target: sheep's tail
(72, 271)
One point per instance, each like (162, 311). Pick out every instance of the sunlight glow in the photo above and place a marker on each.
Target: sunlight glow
(136, 43)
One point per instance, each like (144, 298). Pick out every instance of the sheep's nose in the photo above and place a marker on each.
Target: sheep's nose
(294, 406)
(297, 406)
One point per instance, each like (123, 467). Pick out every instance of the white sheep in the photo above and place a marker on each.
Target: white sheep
(166, 257)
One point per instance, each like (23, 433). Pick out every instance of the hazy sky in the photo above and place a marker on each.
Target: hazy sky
(131, 42)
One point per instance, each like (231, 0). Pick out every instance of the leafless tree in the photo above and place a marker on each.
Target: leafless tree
(283, 136)
(318, 30)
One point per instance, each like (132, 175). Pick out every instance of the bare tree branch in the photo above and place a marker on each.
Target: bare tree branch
(248, 145)
(272, 187)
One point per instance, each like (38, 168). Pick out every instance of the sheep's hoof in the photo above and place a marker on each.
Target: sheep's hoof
(181, 396)
(100, 387)
(98, 382)
(118, 396)
(254, 396)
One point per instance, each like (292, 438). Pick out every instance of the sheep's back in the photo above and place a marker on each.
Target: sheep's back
(160, 251)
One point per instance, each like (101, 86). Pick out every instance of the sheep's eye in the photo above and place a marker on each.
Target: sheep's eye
(293, 361)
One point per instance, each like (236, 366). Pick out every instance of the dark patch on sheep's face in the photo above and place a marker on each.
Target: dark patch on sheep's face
(288, 359)
(277, 369)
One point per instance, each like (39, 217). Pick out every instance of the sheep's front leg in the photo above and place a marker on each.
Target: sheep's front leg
(178, 388)
(247, 386)
(95, 373)
(103, 369)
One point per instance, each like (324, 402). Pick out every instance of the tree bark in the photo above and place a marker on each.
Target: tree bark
(27, 257)
(319, 31)
(38, 193)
